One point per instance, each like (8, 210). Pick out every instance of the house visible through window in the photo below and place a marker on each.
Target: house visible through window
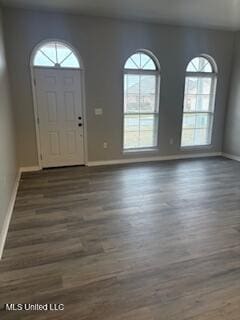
(141, 101)
(199, 101)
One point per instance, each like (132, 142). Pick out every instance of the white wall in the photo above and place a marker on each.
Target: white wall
(104, 45)
(232, 127)
(8, 162)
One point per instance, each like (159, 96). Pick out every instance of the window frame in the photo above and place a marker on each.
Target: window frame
(212, 101)
(155, 114)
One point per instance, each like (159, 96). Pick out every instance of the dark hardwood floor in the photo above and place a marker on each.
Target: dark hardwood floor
(157, 241)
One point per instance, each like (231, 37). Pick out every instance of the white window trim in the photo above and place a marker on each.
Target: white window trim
(157, 102)
(139, 71)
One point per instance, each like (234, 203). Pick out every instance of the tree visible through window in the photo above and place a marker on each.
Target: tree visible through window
(199, 101)
(141, 95)
(55, 54)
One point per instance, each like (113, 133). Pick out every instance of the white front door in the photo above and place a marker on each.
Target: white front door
(60, 116)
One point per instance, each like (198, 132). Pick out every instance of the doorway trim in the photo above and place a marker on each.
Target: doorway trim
(34, 96)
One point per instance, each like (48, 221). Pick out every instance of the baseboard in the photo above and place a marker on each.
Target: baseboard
(29, 169)
(231, 156)
(156, 158)
(3, 234)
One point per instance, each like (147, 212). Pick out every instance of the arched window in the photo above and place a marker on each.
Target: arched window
(141, 101)
(55, 54)
(199, 102)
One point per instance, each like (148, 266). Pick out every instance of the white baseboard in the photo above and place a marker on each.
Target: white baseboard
(29, 169)
(231, 156)
(4, 231)
(151, 159)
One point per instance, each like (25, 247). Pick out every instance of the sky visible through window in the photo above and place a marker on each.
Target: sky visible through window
(56, 54)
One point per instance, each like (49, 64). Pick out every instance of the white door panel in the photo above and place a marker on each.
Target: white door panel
(59, 103)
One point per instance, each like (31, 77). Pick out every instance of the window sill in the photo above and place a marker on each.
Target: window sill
(146, 150)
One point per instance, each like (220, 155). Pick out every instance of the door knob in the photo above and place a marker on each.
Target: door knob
(79, 118)
(80, 124)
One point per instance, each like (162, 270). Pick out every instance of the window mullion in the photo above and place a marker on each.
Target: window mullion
(55, 44)
(47, 56)
(200, 74)
(139, 71)
(66, 58)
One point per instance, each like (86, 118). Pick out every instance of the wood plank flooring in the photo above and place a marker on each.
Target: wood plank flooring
(158, 241)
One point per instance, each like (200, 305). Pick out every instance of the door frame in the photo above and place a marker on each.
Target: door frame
(34, 97)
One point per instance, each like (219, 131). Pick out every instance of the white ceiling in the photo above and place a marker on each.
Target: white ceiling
(205, 13)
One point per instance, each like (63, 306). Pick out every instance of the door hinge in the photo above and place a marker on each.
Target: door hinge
(38, 120)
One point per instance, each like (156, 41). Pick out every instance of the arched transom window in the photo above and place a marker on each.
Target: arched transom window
(141, 101)
(56, 54)
(199, 102)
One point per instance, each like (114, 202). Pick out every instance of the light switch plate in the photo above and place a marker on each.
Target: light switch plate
(98, 111)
